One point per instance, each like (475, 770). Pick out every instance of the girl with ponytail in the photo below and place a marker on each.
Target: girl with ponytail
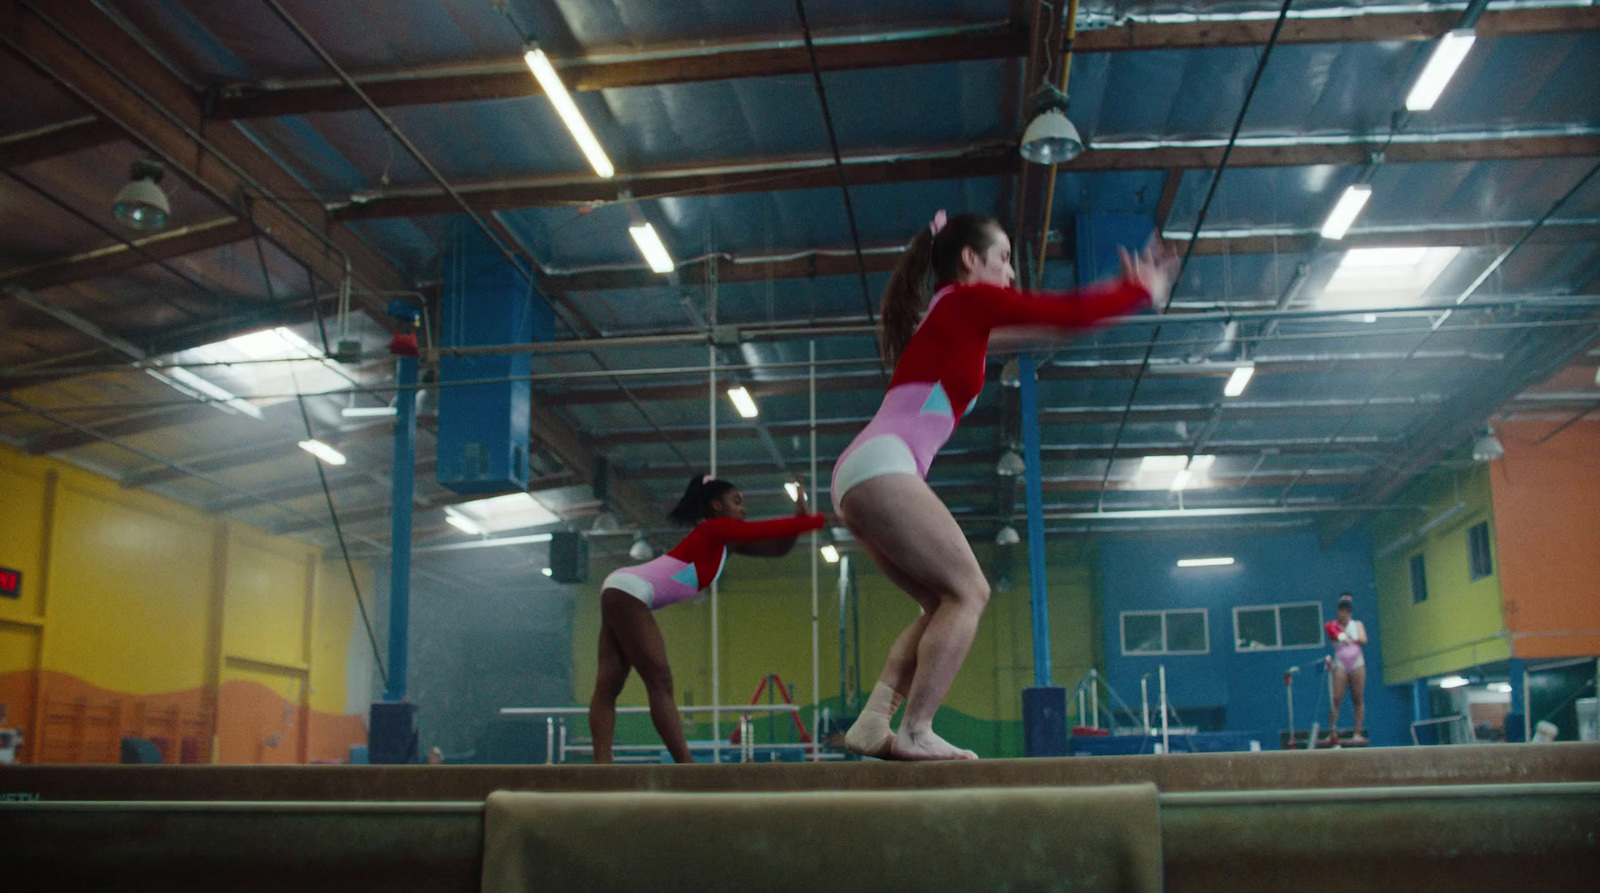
(951, 290)
(629, 636)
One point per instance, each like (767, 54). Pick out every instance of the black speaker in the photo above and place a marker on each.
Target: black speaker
(392, 733)
(569, 558)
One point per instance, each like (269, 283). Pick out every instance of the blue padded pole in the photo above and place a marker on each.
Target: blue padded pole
(1035, 487)
(405, 467)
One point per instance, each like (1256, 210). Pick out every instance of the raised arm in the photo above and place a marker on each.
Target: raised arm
(767, 539)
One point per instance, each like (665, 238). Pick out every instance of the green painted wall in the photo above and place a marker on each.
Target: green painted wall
(1461, 623)
(765, 627)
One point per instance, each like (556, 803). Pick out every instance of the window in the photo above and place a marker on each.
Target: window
(1419, 580)
(1276, 627)
(1165, 632)
(1478, 550)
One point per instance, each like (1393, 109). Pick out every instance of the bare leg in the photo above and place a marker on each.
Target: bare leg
(1341, 681)
(871, 734)
(1358, 699)
(640, 640)
(899, 515)
(608, 682)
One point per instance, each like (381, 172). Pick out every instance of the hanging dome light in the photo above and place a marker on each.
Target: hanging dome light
(1010, 464)
(1050, 137)
(1007, 536)
(141, 204)
(641, 550)
(1488, 447)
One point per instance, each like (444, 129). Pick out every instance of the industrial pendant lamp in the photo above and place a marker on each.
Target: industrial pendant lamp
(1050, 137)
(141, 204)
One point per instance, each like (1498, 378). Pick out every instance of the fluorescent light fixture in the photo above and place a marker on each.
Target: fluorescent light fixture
(1501, 687)
(322, 451)
(367, 412)
(830, 554)
(1239, 380)
(1453, 681)
(550, 82)
(1448, 55)
(743, 402)
(1163, 464)
(1383, 277)
(1204, 562)
(1346, 210)
(220, 397)
(513, 511)
(280, 343)
(462, 522)
(546, 571)
(655, 253)
(793, 489)
(1181, 480)
(1202, 462)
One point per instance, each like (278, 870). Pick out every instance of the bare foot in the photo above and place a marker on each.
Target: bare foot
(926, 746)
(870, 736)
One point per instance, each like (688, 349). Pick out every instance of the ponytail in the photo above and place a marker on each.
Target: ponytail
(695, 506)
(930, 255)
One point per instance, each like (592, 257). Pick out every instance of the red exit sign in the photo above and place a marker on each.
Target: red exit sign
(10, 582)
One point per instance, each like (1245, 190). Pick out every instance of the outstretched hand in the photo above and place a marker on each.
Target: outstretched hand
(801, 507)
(1155, 267)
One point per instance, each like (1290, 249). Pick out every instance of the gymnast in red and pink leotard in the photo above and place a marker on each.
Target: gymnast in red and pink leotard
(629, 636)
(937, 345)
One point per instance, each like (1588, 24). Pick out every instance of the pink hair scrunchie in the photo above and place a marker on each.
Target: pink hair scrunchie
(706, 480)
(938, 222)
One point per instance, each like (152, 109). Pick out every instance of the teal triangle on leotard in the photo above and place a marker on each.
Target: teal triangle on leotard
(938, 402)
(688, 577)
(974, 402)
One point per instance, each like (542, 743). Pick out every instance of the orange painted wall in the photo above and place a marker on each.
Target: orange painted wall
(1547, 527)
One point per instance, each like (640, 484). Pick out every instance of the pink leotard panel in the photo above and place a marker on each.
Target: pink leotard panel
(941, 371)
(696, 562)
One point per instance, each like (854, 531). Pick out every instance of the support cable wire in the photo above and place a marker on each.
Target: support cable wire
(1194, 238)
(322, 475)
(1437, 324)
(505, 251)
(838, 160)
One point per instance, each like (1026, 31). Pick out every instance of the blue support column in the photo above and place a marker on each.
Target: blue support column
(1037, 594)
(405, 467)
(1518, 726)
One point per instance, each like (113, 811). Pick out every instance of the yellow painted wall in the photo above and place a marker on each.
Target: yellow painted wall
(1461, 623)
(142, 616)
(765, 627)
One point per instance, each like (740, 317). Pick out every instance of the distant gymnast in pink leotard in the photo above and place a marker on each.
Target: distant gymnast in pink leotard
(937, 345)
(629, 636)
(1349, 668)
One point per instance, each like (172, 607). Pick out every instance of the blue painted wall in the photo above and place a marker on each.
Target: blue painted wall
(1281, 568)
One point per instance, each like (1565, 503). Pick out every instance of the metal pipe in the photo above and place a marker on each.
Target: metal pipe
(550, 739)
(838, 160)
(816, 571)
(682, 708)
(1166, 745)
(1144, 701)
(1094, 695)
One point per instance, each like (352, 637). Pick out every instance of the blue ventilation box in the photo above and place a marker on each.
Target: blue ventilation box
(483, 427)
